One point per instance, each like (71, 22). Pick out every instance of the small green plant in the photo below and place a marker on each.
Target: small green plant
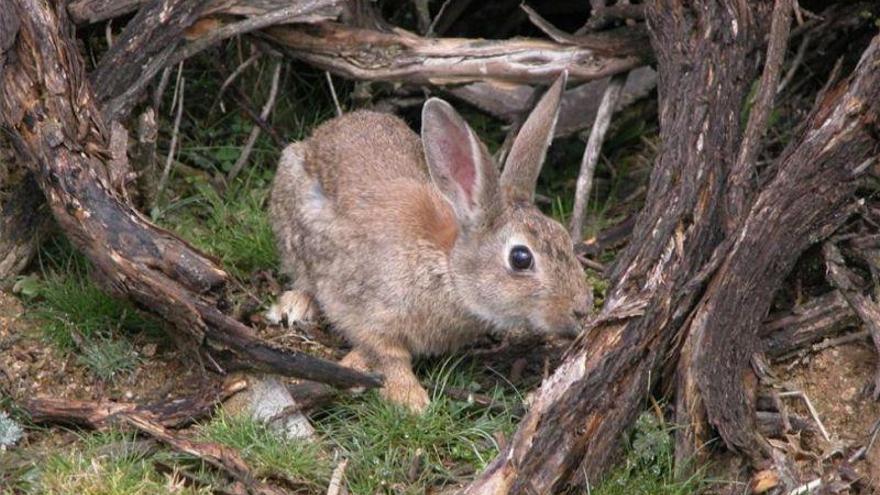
(648, 466)
(10, 431)
(69, 304)
(108, 357)
(268, 453)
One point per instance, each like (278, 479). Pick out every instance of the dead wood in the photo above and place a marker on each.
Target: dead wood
(23, 220)
(811, 195)
(364, 54)
(851, 286)
(220, 456)
(140, 51)
(148, 44)
(806, 324)
(578, 108)
(98, 415)
(742, 180)
(92, 11)
(611, 237)
(590, 158)
(51, 116)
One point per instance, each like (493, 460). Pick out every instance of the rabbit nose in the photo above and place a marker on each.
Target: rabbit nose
(580, 313)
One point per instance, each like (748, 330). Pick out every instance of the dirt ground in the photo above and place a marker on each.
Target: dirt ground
(838, 382)
(30, 367)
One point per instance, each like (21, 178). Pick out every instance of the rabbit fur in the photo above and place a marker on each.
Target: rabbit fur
(405, 244)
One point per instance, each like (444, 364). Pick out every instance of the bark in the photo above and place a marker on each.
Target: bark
(176, 413)
(92, 11)
(807, 324)
(810, 196)
(51, 115)
(145, 44)
(576, 421)
(403, 57)
(23, 221)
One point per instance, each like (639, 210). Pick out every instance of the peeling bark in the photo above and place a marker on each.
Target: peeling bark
(811, 195)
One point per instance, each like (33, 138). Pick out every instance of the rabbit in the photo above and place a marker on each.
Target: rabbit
(414, 247)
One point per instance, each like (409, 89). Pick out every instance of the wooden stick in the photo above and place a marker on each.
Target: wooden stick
(255, 130)
(98, 415)
(336, 486)
(741, 181)
(175, 133)
(369, 55)
(591, 154)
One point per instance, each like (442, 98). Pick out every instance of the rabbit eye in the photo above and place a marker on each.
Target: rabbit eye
(521, 258)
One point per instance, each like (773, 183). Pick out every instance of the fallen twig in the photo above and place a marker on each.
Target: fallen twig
(178, 100)
(811, 409)
(219, 456)
(333, 93)
(98, 415)
(255, 130)
(591, 154)
(365, 54)
(237, 72)
(336, 486)
(592, 264)
(741, 176)
(795, 63)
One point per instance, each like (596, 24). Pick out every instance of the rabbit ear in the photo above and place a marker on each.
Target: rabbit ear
(459, 164)
(530, 146)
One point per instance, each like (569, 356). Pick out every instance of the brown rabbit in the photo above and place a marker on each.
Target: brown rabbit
(413, 247)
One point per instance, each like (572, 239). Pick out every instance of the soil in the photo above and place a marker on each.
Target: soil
(30, 367)
(838, 382)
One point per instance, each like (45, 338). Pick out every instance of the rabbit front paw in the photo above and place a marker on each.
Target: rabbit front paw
(408, 394)
(294, 306)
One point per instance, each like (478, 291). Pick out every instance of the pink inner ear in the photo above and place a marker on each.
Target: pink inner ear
(456, 145)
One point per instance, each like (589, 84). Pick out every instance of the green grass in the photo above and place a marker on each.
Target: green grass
(71, 306)
(74, 314)
(98, 464)
(392, 450)
(268, 453)
(233, 227)
(648, 465)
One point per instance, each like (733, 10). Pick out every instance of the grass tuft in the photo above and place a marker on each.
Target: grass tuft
(268, 453)
(648, 466)
(102, 464)
(76, 315)
(234, 227)
(392, 450)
